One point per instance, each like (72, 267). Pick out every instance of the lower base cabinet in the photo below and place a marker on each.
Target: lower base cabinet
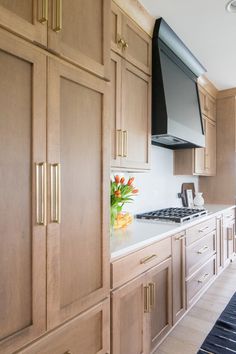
(86, 334)
(142, 311)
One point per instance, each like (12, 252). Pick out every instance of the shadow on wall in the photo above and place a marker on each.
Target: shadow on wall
(159, 187)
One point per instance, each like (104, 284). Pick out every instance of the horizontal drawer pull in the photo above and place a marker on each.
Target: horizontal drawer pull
(203, 250)
(204, 278)
(179, 238)
(204, 229)
(148, 259)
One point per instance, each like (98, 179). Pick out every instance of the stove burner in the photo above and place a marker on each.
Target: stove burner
(177, 215)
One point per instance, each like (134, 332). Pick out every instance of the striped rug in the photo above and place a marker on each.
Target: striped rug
(222, 338)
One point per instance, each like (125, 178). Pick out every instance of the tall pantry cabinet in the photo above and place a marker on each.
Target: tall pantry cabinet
(54, 178)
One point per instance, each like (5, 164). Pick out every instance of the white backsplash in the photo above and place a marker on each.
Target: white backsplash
(158, 188)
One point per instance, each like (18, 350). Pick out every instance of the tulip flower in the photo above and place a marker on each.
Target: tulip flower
(117, 179)
(130, 181)
(122, 180)
(134, 191)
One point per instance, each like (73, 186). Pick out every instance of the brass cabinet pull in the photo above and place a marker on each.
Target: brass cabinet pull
(68, 352)
(204, 278)
(119, 143)
(41, 193)
(55, 193)
(179, 238)
(125, 46)
(125, 143)
(203, 229)
(203, 250)
(148, 259)
(230, 233)
(43, 18)
(147, 299)
(121, 42)
(58, 16)
(152, 294)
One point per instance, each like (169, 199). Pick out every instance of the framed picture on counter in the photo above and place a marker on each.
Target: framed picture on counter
(189, 197)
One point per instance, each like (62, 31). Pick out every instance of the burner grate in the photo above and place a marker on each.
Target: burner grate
(177, 215)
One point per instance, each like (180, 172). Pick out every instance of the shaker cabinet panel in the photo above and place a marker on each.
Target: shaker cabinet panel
(22, 171)
(27, 18)
(80, 32)
(78, 255)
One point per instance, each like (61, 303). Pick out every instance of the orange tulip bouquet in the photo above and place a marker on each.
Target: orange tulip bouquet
(121, 193)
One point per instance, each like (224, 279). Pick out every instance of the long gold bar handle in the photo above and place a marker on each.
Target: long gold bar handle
(119, 143)
(152, 294)
(58, 16)
(148, 259)
(41, 193)
(204, 278)
(43, 18)
(146, 299)
(55, 193)
(125, 143)
(230, 233)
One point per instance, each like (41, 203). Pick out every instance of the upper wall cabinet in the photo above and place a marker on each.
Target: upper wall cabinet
(130, 116)
(27, 18)
(129, 41)
(80, 32)
(208, 104)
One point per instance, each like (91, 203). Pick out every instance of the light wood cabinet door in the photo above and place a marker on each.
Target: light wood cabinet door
(178, 276)
(210, 150)
(136, 117)
(129, 40)
(115, 110)
(160, 317)
(211, 108)
(80, 32)
(27, 18)
(87, 334)
(138, 45)
(78, 226)
(23, 145)
(129, 331)
(199, 156)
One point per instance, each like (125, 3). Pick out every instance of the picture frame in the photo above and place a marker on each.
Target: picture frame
(189, 197)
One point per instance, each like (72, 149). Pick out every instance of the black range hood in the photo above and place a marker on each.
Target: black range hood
(176, 114)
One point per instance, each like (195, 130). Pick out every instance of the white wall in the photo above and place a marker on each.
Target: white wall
(159, 187)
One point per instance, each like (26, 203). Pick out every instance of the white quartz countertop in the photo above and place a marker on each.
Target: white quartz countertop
(141, 233)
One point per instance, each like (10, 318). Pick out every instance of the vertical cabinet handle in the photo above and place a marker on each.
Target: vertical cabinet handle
(57, 16)
(230, 233)
(55, 192)
(125, 145)
(152, 294)
(43, 11)
(41, 193)
(147, 306)
(119, 143)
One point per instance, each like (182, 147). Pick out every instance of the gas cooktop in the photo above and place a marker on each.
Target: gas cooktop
(177, 215)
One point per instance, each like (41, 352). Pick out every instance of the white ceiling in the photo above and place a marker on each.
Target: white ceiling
(207, 30)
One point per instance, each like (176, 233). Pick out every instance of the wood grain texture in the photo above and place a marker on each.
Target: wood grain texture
(85, 35)
(22, 18)
(23, 143)
(78, 254)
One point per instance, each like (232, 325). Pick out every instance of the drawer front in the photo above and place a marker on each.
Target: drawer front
(136, 263)
(88, 333)
(200, 230)
(200, 280)
(228, 216)
(199, 252)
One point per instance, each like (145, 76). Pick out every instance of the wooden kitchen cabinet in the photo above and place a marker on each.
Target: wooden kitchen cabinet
(229, 237)
(129, 325)
(208, 104)
(26, 18)
(86, 334)
(22, 183)
(178, 276)
(159, 318)
(130, 116)
(80, 32)
(142, 309)
(78, 230)
(200, 161)
(219, 244)
(129, 41)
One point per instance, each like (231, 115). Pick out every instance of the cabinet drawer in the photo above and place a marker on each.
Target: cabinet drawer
(88, 333)
(199, 252)
(200, 230)
(200, 280)
(228, 216)
(136, 263)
